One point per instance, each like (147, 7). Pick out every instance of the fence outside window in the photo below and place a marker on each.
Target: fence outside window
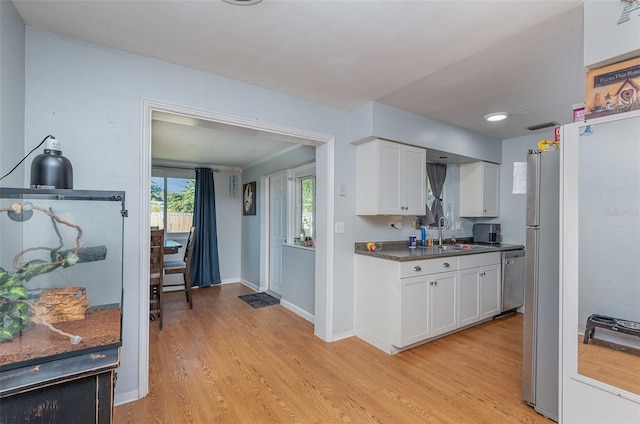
(177, 222)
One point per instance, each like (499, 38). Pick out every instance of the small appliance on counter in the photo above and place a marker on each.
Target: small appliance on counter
(486, 233)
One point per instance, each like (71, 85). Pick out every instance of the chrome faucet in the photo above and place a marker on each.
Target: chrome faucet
(441, 223)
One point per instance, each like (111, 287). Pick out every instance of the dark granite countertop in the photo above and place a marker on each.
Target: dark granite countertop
(400, 252)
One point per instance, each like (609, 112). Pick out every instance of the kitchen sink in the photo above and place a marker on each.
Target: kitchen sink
(463, 247)
(451, 249)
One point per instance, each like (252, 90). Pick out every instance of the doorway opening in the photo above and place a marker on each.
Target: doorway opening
(324, 145)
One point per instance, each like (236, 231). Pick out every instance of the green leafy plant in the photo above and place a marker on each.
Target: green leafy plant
(15, 308)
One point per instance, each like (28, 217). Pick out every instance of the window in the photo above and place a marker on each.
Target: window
(430, 196)
(303, 220)
(172, 199)
(307, 187)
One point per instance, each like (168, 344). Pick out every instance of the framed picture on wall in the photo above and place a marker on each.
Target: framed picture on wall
(249, 198)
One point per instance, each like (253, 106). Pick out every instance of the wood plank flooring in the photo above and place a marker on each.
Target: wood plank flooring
(225, 362)
(600, 361)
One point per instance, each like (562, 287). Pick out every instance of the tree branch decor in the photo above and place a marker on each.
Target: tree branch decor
(15, 309)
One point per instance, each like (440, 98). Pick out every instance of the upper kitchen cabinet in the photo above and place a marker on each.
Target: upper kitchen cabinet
(390, 179)
(479, 189)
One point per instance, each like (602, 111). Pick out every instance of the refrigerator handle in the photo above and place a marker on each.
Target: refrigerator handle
(533, 188)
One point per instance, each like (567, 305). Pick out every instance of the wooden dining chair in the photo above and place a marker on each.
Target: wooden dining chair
(156, 275)
(183, 267)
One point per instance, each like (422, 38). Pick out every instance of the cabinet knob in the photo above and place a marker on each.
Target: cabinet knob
(417, 268)
(435, 283)
(482, 274)
(431, 283)
(445, 265)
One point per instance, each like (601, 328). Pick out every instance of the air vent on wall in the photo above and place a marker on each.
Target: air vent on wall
(542, 126)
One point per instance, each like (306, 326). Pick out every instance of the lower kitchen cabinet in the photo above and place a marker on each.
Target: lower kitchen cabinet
(442, 307)
(416, 323)
(480, 294)
(427, 307)
(469, 296)
(401, 304)
(490, 291)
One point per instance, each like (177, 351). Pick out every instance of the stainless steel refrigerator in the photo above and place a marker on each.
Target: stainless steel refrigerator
(541, 299)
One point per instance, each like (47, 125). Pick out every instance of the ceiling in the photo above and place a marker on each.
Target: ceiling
(454, 61)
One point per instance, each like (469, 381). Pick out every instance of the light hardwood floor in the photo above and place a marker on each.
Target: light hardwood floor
(612, 366)
(225, 362)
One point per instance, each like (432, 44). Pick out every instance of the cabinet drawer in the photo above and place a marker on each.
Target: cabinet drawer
(428, 266)
(481, 259)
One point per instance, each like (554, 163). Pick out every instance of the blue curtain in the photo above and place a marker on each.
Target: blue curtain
(205, 268)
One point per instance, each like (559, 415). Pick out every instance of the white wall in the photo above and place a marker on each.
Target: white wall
(251, 224)
(298, 268)
(513, 207)
(229, 225)
(607, 39)
(399, 125)
(373, 120)
(92, 101)
(12, 145)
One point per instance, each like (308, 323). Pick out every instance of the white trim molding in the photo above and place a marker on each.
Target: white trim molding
(323, 326)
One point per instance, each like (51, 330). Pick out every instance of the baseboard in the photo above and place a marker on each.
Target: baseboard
(344, 335)
(125, 397)
(298, 311)
(230, 280)
(249, 284)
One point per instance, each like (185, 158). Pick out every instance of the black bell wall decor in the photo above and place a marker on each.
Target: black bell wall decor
(50, 169)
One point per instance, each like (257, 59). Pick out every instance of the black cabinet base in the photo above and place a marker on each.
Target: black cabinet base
(80, 401)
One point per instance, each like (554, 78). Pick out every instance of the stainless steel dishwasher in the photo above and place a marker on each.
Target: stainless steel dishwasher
(512, 279)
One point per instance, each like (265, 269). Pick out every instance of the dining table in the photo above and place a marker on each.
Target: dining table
(171, 247)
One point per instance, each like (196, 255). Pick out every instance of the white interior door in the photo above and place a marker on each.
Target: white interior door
(277, 229)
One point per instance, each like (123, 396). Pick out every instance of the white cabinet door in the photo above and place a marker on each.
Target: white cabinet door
(479, 189)
(390, 176)
(443, 302)
(490, 291)
(390, 179)
(490, 189)
(414, 186)
(429, 307)
(469, 296)
(414, 310)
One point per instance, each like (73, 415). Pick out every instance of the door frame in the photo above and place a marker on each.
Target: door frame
(325, 148)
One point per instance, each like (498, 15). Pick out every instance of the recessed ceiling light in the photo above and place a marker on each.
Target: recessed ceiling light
(497, 116)
(242, 2)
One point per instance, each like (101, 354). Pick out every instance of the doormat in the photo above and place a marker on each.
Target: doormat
(258, 300)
